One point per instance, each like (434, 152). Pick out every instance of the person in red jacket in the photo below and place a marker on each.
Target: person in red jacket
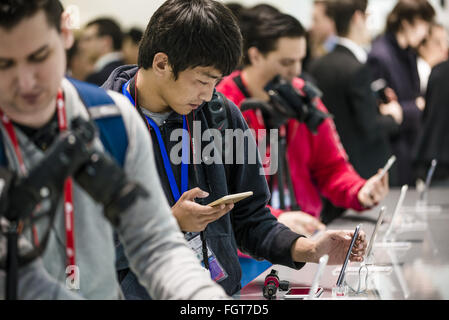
(318, 163)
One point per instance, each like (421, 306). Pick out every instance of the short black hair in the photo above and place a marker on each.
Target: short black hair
(342, 11)
(236, 8)
(192, 33)
(12, 12)
(409, 10)
(135, 34)
(263, 30)
(264, 9)
(109, 27)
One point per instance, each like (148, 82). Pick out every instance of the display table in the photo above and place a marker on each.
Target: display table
(414, 264)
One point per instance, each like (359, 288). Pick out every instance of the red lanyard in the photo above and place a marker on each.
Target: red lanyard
(68, 186)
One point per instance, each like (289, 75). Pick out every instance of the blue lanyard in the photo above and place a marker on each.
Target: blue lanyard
(165, 158)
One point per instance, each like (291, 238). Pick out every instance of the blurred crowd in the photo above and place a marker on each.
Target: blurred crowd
(398, 62)
(342, 103)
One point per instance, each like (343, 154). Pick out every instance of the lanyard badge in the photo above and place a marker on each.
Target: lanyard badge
(217, 272)
(194, 240)
(176, 192)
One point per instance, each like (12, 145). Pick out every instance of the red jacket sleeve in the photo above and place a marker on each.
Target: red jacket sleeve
(336, 179)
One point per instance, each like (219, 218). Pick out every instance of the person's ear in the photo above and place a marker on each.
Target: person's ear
(254, 55)
(160, 64)
(358, 18)
(66, 31)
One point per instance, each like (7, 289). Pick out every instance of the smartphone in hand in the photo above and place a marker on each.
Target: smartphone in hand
(231, 198)
(341, 277)
(387, 166)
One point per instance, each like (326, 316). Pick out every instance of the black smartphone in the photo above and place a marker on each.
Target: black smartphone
(348, 254)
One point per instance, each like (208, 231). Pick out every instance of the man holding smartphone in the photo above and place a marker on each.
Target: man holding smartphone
(187, 47)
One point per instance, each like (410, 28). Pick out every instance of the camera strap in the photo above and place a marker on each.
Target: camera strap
(239, 83)
(68, 184)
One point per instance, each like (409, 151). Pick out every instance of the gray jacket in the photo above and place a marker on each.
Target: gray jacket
(155, 247)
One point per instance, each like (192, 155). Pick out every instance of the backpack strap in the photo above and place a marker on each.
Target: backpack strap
(239, 83)
(107, 116)
(219, 117)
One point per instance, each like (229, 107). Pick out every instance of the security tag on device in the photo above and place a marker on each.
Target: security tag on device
(217, 273)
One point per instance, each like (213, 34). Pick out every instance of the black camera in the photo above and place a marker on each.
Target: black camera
(272, 283)
(72, 154)
(288, 102)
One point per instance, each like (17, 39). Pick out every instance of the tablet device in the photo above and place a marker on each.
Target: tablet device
(430, 173)
(395, 215)
(316, 281)
(348, 254)
(231, 198)
(374, 234)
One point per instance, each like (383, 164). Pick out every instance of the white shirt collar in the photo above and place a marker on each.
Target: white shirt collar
(356, 50)
(106, 59)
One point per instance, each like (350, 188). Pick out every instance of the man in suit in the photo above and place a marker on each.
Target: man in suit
(322, 32)
(102, 41)
(345, 80)
(433, 142)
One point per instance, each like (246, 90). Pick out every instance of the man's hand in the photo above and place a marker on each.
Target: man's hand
(193, 217)
(393, 109)
(390, 94)
(420, 103)
(374, 190)
(334, 243)
(301, 222)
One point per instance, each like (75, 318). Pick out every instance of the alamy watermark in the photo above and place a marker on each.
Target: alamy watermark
(72, 280)
(73, 12)
(239, 147)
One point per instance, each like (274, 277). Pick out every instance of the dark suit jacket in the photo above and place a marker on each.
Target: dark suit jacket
(101, 76)
(433, 142)
(399, 69)
(346, 86)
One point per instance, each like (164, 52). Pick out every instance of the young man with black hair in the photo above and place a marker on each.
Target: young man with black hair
(187, 47)
(318, 163)
(363, 126)
(101, 40)
(36, 104)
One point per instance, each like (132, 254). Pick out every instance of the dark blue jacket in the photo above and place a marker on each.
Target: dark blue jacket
(397, 66)
(249, 226)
